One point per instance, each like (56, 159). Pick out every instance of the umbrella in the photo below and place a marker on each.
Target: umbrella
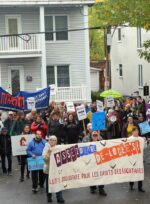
(110, 92)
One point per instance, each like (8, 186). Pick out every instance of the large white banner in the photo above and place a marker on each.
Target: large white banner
(19, 144)
(96, 163)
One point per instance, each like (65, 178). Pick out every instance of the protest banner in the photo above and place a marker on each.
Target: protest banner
(96, 163)
(19, 144)
(24, 100)
(36, 163)
(98, 121)
(70, 107)
(81, 113)
(100, 106)
(144, 127)
(110, 102)
(148, 112)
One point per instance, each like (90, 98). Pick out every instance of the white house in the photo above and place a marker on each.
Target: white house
(129, 73)
(36, 60)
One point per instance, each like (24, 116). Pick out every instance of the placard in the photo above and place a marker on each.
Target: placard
(81, 113)
(36, 163)
(144, 127)
(70, 107)
(100, 107)
(110, 102)
(98, 121)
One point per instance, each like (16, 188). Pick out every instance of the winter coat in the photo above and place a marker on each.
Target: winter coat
(36, 126)
(46, 157)
(5, 144)
(73, 131)
(36, 147)
(55, 128)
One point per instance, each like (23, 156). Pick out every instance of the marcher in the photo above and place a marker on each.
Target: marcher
(34, 149)
(52, 142)
(6, 151)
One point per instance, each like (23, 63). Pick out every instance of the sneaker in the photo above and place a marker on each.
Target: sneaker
(61, 200)
(21, 179)
(35, 190)
(142, 190)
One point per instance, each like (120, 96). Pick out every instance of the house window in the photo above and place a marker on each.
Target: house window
(119, 34)
(58, 24)
(139, 38)
(140, 75)
(58, 75)
(120, 70)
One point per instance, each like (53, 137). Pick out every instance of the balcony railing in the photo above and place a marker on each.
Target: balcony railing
(74, 93)
(16, 44)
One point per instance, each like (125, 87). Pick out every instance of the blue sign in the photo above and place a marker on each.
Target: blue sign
(144, 127)
(35, 163)
(98, 121)
(24, 100)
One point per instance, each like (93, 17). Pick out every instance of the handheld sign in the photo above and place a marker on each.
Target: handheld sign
(52, 89)
(35, 163)
(144, 127)
(70, 107)
(110, 102)
(81, 113)
(98, 121)
(100, 106)
(19, 144)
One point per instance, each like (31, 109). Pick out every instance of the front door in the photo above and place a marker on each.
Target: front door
(15, 79)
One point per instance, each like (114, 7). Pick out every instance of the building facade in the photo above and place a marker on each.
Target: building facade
(129, 73)
(37, 59)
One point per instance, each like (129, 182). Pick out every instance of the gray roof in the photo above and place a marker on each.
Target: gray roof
(44, 2)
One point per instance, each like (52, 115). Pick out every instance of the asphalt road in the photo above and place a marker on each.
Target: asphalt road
(12, 191)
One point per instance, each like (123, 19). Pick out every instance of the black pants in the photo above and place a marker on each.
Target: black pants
(49, 195)
(23, 160)
(9, 160)
(140, 184)
(100, 187)
(38, 178)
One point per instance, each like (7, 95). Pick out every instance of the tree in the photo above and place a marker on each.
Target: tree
(119, 12)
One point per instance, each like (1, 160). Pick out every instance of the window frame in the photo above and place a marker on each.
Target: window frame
(140, 75)
(119, 39)
(54, 29)
(55, 73)
(139, 37)
(121, 68)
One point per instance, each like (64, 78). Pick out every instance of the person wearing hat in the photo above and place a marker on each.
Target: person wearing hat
(94, 137)
(5, 151)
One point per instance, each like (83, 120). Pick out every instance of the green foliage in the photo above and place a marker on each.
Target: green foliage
(145, 52)
(95, 95)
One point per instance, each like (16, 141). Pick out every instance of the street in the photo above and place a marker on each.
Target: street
(12, 191)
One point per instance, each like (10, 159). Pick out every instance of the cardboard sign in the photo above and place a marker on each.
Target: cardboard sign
(98, 121)
(35, 163)
(100, 107)
(144, 127)
(110, 102)
(52, 89)
(31, 103)
(19, 144)
(70, 107)
(97, 163)
(81, 113)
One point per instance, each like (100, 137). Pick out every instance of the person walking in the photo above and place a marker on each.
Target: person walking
(34, 149)
(52, 142)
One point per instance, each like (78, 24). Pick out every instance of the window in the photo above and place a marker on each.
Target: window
(139, 38)
(58, 24)
(119, 34)
(140, 75)
(58, 75)
(120, 70)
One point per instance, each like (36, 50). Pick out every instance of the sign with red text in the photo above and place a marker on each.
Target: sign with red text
(97, 163)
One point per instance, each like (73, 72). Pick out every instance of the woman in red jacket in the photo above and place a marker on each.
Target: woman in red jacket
(39, 124)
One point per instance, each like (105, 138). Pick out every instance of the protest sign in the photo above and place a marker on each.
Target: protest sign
(19, 144)
(148, 112)
(36, 163)
(98, 121)
(24, 100)
(96, 163)
(70, 107)
(52, 89)
(110, 102)
(100, 106)
(144, 127)
(81, 113)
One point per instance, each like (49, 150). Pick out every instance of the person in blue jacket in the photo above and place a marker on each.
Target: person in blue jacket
(34, 149)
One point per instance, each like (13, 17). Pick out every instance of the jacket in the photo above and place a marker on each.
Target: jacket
(5, 144)
(55, 128)
(46, 157)
(36, 126)
(35, 147)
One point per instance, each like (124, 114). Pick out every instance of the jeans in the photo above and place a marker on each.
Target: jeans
(9, 160)
(38, 178)
(49, 195)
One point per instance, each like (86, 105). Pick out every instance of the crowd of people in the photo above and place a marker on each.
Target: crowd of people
(57, 126)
